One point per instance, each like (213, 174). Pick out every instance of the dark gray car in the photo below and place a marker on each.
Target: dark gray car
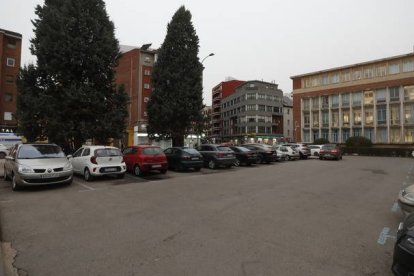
(217, 155)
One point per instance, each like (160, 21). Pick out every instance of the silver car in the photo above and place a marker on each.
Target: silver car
(406, 199)
(37, 164)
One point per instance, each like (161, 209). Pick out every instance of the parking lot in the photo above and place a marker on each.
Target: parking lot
(305, 217)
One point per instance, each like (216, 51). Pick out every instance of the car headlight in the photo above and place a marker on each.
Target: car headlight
(407, 242)
(68, 166)
(25, 169)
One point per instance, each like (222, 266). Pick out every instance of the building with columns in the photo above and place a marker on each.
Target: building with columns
(374, 99)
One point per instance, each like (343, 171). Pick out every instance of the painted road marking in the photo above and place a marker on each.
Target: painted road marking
(87, 187)
(382, 239)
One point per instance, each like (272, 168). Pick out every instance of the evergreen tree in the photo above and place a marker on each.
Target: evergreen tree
(176, 101)
(76, 52)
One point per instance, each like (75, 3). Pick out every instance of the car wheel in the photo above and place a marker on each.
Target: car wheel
(197, 169)
(237, 163)
(212, 164)
(288, 157)
(15, 186)
(340, 157)
(87, 175)
(259, 159)
(315, 154)
(137, 171)
(120, 176)
(163, 171)
(2, 155)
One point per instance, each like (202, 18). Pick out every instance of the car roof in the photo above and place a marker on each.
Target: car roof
(93, 147)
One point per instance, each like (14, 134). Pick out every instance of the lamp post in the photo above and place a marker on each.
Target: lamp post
(209, 55)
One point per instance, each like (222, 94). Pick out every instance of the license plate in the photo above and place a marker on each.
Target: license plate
(110, 169)
(194, 158)
(156, 166)
(49, 175)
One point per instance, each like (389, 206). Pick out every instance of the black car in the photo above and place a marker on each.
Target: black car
(217, 155)
(403, 262)
(244, 156)
(265, 153)
(181, 158)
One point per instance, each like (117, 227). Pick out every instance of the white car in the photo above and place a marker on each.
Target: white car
(315, 149)
(3, 151)
(288, 152)
(93, 161)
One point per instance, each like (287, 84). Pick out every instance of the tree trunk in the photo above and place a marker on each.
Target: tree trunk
(178, 140)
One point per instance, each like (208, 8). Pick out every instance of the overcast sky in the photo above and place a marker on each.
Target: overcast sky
(269, 40)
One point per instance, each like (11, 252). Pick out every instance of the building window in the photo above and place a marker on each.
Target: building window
(146, 86)
(394, 93)
(315, 103)
(9, 79)
(395, 135)
(381, 70)
(409, 93)
(10, 62)
(315, 119)
(325, 80)
(369, 117)
(395, 115)
(325, 101)
(369, 134)
(251, 107)
(381, 116)
(345, 119)
(356, 98)
(262, 107)
(269, 108)
(394, 68)
(356, 75)
(7, 116)
(368, 73)
(261, 129)
(276, 109)
(325, 134)
(345, 135)
(306, 119)
(8, 97)
(357, 117)
(305, 104)
(380, 95)
(11, 43)
(251, 129)
(251, 96)
(335, 78)
(409, 114)
(346, 76)
(315, 134)
(368, 97)
(408, 66)
(335, 119)
(382, 135)
(345, 99)
(147, 72)
(262, 96)
(251, 119)
(356, 132)
(334, 136)
(335, 101)
(306, 136)
(325, 119)
(408, 135)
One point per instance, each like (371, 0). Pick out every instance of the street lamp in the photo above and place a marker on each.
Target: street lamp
(209, 55)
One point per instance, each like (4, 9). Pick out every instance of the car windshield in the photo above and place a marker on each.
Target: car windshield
(40, 151)
(151, 151)
(328, 147)
(191, 151)
(242, 149)
(107, 152)
(224, 149)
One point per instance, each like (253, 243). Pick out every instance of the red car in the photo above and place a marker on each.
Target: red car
(144, 158)
(330, 151)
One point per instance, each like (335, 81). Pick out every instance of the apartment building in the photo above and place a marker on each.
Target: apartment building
(374, 99)
(287, 119)
(134, 71)
(10, 55)
(219, 92)
(253, 113)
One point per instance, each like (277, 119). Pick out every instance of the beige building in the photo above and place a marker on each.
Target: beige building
(374, 99)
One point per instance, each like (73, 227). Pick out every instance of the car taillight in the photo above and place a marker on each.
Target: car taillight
(186, 157)
(220, 154)
(93, 160)
(334, 151)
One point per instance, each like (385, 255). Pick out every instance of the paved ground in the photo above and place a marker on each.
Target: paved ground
(306, 217)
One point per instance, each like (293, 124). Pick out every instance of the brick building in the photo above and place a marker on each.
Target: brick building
(10, 55)
(134, 71)
(219, 92)
(374, 99)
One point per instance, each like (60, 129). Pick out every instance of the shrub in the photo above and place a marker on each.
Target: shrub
(357, 142)
(321, 141)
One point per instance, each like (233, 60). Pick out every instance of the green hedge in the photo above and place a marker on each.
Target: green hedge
(372, 151)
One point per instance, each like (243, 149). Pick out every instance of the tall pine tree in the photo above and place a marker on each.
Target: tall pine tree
(176, 101)
(76, 52)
